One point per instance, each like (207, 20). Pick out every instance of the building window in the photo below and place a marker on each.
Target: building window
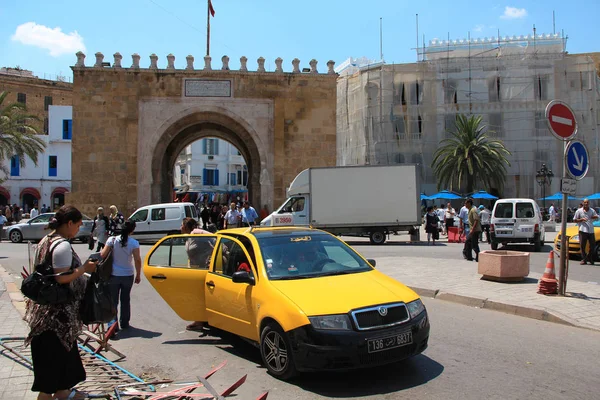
(399, 127)
(22, 98)
(47, 102)
(399, 94)
(540, 87)
(495, 125)
(67, 129)
(494, 89)
(416, 93)
(450, 96)
(210, 147)
(14, 166)
(211, 177)
(233, 179)
(46, 125)
(52, 165)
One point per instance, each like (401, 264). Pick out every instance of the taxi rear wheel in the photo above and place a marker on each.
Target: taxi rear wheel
(276, 352)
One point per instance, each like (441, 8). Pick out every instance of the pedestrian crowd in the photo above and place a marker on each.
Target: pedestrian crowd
(217, 216)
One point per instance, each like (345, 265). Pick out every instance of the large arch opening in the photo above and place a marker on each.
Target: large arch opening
(190, 129)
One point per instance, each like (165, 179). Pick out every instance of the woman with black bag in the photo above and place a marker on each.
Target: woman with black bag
(57, 366)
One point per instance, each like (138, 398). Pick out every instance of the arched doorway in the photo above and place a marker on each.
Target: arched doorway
(29, 197)
(198, 125)
(4, 196)
(57, 199)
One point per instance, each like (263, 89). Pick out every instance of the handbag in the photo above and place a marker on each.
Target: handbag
(41, 286)
(104, 267)
(97, 306)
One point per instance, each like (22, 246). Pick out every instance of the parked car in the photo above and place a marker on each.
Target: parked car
(307, 299)
(574, 247)
(517, 221)
(35, 229)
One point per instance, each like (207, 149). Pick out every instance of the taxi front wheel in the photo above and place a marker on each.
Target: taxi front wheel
(276, 352)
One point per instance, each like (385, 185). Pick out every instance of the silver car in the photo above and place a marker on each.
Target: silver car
(35, 229)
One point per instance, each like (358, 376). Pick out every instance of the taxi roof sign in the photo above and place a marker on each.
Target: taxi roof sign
(283, 219)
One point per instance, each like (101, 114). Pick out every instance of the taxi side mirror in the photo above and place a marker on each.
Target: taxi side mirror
(372, 262)
(243, 277)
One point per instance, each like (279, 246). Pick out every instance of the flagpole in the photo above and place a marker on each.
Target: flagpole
(208, 27)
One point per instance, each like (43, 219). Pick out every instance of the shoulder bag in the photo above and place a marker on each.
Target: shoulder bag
(105, 266)
(97, 306)
(41, 285)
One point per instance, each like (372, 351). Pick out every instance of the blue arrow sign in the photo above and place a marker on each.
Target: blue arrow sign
(577, 159)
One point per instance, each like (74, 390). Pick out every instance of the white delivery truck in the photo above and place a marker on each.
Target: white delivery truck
(356, 200)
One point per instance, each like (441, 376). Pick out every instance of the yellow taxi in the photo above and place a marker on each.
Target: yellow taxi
(308, 300)
(574, 246)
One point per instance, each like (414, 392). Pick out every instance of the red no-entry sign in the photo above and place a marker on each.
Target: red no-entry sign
(561, 120)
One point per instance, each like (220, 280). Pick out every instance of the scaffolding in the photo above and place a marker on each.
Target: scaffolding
(399, 113)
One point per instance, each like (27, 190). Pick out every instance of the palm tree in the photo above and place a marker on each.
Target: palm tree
(18, 137)
(470, 158)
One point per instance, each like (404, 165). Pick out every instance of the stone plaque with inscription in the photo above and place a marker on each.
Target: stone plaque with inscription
(207, 88)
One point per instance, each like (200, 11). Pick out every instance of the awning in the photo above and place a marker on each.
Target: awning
(60, 190)
(32, 191)
(4, 192)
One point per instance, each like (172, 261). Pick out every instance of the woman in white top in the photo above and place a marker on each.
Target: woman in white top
(127, 263)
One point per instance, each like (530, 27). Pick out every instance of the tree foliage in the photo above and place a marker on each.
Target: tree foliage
(18, 137)
(470, 159)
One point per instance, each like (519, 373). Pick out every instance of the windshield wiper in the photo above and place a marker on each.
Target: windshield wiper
(341, 272)
(292, 277)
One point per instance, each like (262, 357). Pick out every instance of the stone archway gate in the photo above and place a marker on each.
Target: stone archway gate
(129, 125)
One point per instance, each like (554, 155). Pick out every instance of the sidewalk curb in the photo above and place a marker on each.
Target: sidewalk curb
(478, 302)
(13, 291)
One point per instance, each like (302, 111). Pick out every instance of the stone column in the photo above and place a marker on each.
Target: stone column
(170, 61)
(99, 60)
(190, 62)
(261, 64)
(225, 61)
(153, 61)
(296, 64)
(207, 66)
(313, 66)
(330, 65)
(278, 62)
(243, 61)
(135, 61)
(80, 59)
(118, 57)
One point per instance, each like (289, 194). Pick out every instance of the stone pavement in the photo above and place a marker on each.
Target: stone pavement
(15, 379)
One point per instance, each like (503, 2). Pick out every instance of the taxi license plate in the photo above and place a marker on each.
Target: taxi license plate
(390, 342)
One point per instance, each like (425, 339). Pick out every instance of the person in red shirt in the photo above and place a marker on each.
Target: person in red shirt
(264, 212)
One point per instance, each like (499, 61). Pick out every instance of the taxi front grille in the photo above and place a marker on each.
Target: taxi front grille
(380, 316)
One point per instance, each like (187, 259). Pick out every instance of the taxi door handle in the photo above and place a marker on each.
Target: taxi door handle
(210, 284)
(159, 277)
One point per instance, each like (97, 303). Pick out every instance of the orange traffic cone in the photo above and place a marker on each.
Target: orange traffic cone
(548, 283)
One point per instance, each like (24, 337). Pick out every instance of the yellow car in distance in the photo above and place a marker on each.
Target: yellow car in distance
(574, 247)
(308, 300)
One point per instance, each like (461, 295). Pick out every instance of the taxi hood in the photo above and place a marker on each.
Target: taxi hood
(339, 294)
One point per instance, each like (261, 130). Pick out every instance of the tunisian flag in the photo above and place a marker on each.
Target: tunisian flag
(211, 10)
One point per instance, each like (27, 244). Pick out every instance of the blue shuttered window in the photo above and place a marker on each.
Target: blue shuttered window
(233, 179)
(210, 177)
(52, 165)
(14, 166)
(67, 129)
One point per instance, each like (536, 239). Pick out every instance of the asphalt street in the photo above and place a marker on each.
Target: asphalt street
(473, 353)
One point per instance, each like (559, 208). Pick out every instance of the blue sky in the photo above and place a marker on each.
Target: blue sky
(44, 35)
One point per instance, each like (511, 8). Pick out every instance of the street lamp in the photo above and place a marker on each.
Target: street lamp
(544, 177)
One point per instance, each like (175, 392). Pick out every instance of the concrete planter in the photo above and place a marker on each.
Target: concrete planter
(503, 265)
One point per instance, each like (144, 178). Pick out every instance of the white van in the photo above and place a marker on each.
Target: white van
(157, 220)
(517, 221)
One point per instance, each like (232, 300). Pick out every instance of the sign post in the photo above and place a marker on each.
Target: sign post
(563, 125)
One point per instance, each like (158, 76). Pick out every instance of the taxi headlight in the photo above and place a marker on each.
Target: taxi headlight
(415, 308)
(339, 322)
(575, 238)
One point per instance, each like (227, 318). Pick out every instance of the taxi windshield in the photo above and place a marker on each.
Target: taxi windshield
(309, 255)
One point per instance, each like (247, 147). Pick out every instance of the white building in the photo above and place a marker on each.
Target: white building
(400, 113)
(47, 182)
(211, 170)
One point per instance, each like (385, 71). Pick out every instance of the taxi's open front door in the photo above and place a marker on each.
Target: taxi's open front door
(176, 267)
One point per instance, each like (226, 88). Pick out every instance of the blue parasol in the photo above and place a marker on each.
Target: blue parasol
(446, 195)
(482, 194)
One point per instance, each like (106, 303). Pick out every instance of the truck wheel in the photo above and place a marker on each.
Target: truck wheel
(494, 245)
(377, 237)
(276, 352)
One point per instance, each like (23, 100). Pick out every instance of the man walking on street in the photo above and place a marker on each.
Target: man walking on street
(474, 231)
(484, 217)
(584, 216)
(552, 212)
(249, 215)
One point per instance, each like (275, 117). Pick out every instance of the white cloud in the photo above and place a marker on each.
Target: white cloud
(52, 39)
(513, 13)
(478, 28)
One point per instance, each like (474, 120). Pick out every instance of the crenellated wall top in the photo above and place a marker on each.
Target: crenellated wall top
(153, 64)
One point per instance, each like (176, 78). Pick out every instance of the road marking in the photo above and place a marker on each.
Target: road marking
(561, 120)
